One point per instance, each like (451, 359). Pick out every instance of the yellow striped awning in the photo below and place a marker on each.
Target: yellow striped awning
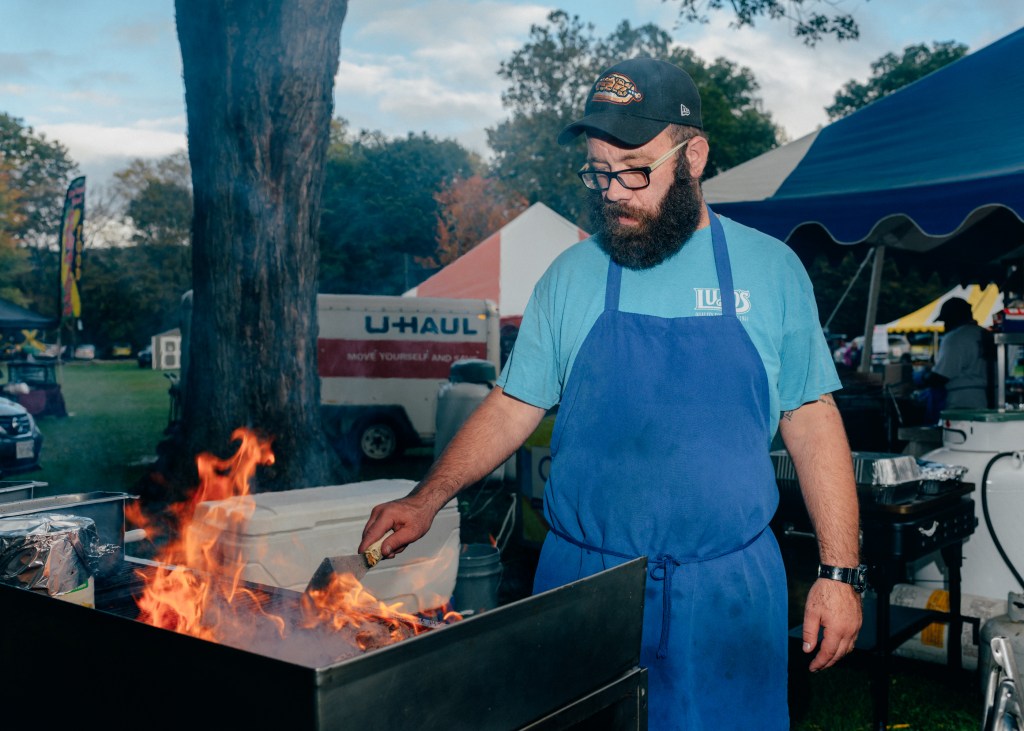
(985, 302)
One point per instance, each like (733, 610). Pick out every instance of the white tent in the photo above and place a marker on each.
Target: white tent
(506, 265)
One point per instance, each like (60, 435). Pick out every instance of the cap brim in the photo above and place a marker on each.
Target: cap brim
(632, 131)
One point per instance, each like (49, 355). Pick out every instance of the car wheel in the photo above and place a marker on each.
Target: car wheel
(378, 441)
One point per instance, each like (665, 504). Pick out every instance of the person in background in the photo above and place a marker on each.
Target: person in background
(675, 343)
(960, 377)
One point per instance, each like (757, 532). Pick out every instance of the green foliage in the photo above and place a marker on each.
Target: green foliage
(550, 77)
(131, 293)
(379, 210)
(157, 197)
(809, 25)
(39, 170)
(737, 128)
(901, 291)
(39, 281)
(162, 214)
(892, 72)
(13, 267)
(13, 260)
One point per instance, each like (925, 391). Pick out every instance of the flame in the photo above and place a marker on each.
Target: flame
(197, 588)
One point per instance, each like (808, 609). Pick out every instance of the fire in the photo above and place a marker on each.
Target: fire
(197, 587)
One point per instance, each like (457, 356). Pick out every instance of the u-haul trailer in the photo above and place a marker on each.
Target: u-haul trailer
(383, 359)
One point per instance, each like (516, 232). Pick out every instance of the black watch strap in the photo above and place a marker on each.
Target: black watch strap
(855, 577)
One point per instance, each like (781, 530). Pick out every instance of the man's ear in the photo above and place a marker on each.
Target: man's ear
(697, 156)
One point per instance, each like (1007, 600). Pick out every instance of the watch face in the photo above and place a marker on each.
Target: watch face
(860, 578)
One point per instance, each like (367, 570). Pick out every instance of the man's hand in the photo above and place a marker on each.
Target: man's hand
(491, 434)
(836, 607)
(409, 517)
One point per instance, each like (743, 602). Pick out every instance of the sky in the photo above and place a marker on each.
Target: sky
(103, 77)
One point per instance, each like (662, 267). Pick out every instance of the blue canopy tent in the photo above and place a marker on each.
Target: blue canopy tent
(933, 173)
(16, 317)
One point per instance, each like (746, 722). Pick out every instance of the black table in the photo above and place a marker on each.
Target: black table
(894, 535)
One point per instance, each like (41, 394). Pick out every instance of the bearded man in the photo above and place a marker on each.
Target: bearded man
(674, 343)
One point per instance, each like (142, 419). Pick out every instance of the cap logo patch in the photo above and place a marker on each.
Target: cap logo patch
(617, 89)
(684, 111)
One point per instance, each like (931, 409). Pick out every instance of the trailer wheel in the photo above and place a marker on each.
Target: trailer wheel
(378, 440)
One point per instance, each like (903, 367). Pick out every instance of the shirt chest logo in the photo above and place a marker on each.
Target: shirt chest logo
(708, 300)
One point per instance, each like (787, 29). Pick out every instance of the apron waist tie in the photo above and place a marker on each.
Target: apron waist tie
(661, 569)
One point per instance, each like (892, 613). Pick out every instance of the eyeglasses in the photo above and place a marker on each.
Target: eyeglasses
(630, 178)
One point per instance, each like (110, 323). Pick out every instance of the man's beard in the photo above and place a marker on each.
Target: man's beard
(656, 236)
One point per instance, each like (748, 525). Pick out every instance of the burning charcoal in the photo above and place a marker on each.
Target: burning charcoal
(373, 636)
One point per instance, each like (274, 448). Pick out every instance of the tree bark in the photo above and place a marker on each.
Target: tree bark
(259, 79)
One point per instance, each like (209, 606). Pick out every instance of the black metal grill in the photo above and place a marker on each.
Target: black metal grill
(567, 658)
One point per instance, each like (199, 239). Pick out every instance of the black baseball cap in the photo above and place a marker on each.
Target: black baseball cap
(955, 309)
(634, 100)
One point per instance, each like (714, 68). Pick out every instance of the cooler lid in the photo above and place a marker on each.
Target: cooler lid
(292, 510)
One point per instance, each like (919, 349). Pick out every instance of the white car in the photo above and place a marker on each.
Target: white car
(20, 440)
(849, 354)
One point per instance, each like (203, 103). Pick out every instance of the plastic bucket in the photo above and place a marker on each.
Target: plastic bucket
(476, 585)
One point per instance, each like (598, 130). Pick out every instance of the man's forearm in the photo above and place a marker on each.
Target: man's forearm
(816, 440)
(495, 429)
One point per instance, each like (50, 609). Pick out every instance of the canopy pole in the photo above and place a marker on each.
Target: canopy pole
(869, 320)
(853, 280)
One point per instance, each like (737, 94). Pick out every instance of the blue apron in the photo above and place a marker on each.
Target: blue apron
(661, 449)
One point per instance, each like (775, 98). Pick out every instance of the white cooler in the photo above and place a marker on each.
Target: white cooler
(291, 532)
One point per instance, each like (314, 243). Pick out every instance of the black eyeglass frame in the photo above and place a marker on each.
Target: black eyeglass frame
(594, 175)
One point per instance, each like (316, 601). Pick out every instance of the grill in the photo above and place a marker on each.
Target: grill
(567, 658)
(15, 425)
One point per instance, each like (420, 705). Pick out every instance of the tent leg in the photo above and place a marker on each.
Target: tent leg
(872, 313)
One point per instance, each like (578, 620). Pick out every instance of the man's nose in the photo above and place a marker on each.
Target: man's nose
(617, 191)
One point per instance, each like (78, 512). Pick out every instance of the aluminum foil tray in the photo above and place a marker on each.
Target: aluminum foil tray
(105, 508)
(881, 478)
(881, 468)
(12, 490)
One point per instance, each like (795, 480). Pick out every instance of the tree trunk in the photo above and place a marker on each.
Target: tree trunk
(259, 79)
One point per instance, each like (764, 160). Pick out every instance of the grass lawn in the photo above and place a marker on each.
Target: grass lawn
(117, 415)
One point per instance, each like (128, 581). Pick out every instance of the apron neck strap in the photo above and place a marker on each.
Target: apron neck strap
(722, 265)
(612, 286)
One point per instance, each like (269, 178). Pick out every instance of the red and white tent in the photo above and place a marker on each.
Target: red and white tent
(506, 265)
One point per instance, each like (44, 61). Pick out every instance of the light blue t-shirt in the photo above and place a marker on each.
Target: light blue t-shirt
(774, 301)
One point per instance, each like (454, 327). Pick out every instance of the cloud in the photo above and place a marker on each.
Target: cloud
(141, 34)
(102, 150)
(14, 89)
(25, 66)
(798, 83)
(424, 23)
(433, 66)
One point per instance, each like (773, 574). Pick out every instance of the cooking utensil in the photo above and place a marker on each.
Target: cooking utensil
(357, 565)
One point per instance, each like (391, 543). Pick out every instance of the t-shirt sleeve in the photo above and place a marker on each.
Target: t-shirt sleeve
(806, 367)
(531, 372)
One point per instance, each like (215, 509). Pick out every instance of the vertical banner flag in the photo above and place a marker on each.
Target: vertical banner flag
(72, 239)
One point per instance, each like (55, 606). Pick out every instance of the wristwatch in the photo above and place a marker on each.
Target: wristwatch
(855, 577)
